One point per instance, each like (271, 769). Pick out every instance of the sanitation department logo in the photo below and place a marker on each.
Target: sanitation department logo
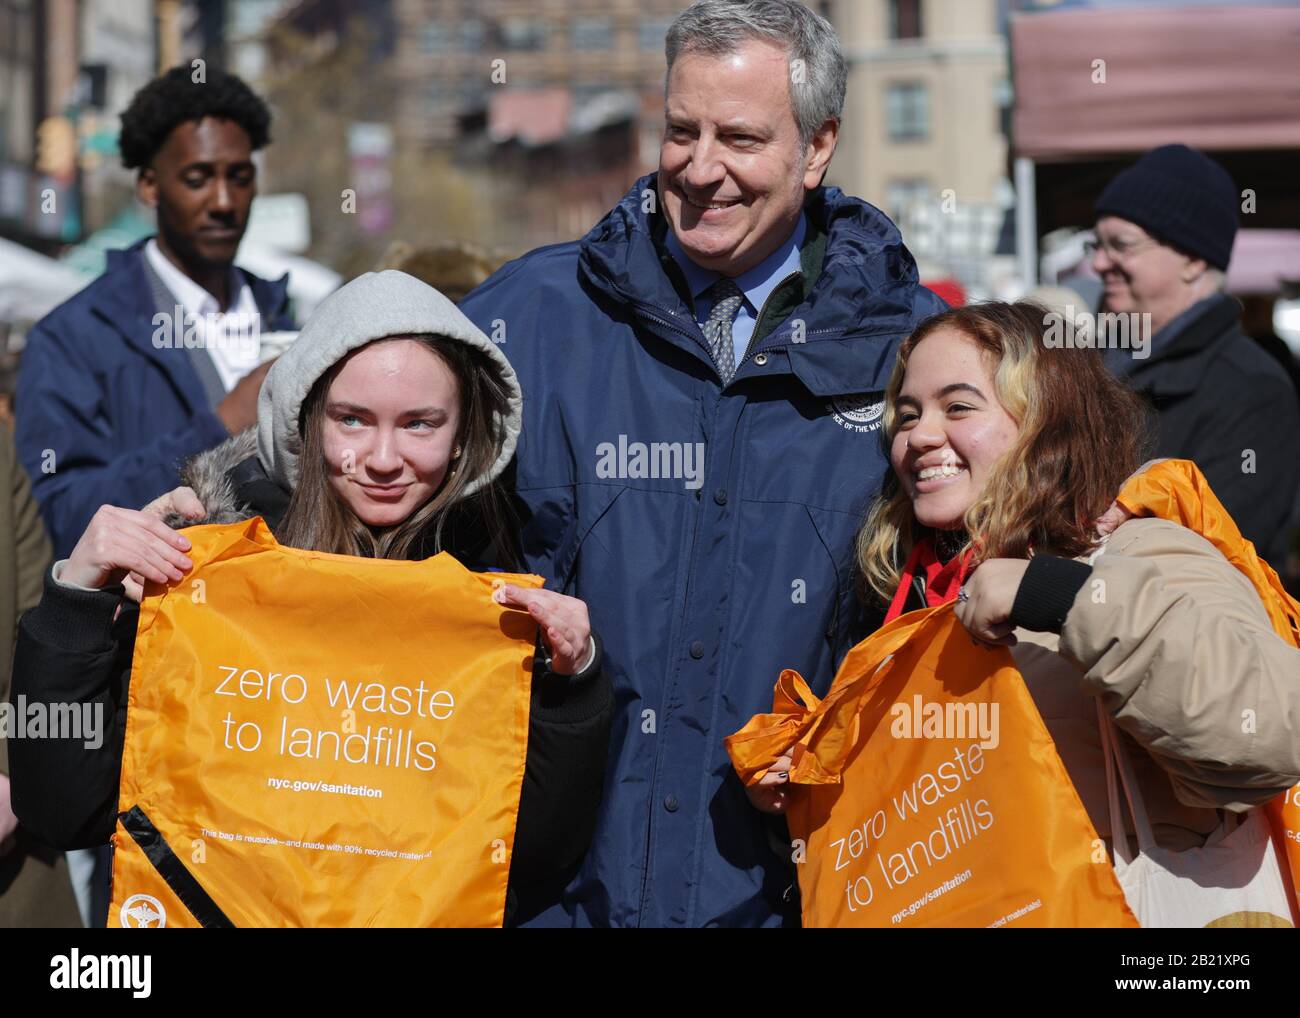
(141, 911)
(861, 413)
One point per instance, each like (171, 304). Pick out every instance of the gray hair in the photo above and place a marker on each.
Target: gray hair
(719, 27)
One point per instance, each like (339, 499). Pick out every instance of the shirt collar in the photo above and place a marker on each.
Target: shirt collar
(192, 297)
(1166, 333)
(757, 283)
(1122, 363)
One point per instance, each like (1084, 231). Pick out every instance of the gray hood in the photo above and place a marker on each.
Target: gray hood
(370, 307)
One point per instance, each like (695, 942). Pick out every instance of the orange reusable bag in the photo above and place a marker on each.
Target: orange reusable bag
(1176, 490)
(935, 793)
(321, 740)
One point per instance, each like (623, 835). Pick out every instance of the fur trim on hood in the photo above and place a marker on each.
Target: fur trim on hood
(209, 474)
(370, 307)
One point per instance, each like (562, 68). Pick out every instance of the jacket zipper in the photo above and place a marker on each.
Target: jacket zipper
(761, 312)
(654, 313)
(644, 310)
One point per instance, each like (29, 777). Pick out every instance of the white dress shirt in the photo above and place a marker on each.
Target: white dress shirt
(231, 339)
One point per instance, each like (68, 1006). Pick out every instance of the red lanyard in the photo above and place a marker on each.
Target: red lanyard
(942, 582)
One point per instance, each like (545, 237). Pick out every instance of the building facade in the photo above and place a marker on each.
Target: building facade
(925, 121)
(452, 56)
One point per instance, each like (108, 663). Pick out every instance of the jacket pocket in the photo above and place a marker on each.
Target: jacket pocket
(591, 503)
(837, 533)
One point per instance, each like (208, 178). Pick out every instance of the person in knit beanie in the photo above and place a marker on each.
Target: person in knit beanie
(1164, 234)
(1165, 228)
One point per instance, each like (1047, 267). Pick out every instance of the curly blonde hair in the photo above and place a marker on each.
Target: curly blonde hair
(1081, 434)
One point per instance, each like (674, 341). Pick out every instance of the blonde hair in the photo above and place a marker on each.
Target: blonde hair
(1081, 433)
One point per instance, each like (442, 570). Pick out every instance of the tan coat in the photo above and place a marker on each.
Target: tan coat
(34, 885)
(1177, 645)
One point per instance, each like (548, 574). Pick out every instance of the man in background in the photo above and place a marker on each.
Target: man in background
(158, 358)
(1164, 234)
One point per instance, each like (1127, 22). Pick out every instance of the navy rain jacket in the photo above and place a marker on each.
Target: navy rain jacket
(703, 584)
(104, 416)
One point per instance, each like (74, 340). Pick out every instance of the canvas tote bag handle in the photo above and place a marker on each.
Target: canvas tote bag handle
(1119, 774)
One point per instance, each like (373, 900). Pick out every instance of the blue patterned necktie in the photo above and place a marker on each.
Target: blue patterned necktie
(727, 299)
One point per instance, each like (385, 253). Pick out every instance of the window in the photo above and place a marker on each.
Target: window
(593, 34)
(471, 34)
(907, 111)
(523, 34)
(651, 33)
(905, 19)
(435, 37)
(1005, 97)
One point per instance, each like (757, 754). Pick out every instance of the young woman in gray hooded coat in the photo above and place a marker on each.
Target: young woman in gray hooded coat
(381, 432)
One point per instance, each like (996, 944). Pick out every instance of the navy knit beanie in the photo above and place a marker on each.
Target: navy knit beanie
(1181, 197)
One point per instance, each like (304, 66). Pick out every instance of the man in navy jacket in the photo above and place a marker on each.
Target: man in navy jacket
(703, 379)
(157, 359)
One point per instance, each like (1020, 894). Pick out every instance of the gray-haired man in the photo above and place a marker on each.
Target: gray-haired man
(732, 307)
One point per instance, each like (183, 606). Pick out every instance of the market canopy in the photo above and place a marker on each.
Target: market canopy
(1215, 78)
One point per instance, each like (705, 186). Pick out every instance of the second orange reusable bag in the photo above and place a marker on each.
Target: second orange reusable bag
(935, 795)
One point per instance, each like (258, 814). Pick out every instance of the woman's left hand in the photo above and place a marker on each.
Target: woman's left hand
(1109, 521)
(772, 794)
(986, 613)
(563, 621)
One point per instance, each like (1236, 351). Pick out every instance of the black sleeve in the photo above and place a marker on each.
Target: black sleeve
(564, 776)
(1264, 422)
(1046, 592)
(72, 658)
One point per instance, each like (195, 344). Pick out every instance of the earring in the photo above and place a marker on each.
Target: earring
(456, 453)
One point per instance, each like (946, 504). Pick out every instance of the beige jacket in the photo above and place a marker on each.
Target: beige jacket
(1177, 646)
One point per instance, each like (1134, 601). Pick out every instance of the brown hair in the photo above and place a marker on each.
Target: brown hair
(1081, 434)
(319, 520)
(453, 268)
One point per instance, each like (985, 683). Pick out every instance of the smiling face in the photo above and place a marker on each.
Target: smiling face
(732, 170)
(202, 182)
(1142, 275)
(951, 429)
(392, 415)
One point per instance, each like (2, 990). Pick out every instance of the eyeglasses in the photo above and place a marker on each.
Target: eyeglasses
(1117, 250)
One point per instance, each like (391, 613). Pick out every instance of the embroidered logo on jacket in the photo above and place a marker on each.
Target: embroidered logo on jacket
(861, 412)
